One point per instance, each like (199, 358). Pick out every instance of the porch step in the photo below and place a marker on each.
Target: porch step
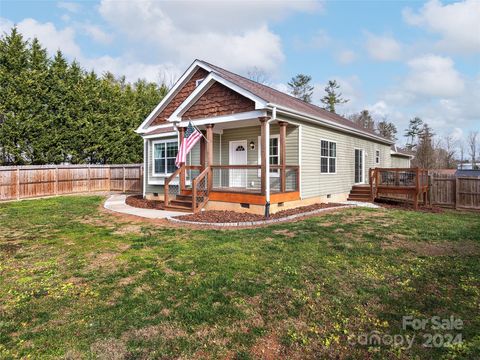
(184, 197)
(178, 208)
(359, 196)
(360, 193)
(184, 203)
(359, 199)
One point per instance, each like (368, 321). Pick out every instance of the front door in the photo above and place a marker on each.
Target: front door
(359, 166)
(238, 156)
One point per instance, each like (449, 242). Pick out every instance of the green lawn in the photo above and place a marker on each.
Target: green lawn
(77, 283)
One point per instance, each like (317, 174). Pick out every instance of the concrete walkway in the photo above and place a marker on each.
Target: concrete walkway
(117, 203)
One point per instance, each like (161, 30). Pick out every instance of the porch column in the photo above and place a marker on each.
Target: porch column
(264, 145)
(181, 136)
(209, 128)
(283, 153)
(202, 151)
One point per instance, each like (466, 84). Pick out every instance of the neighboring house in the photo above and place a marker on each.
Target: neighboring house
(311, 155)
(467, 166)
(401, 158)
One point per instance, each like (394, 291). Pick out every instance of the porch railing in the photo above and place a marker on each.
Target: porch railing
(247, 178)
(200, 189)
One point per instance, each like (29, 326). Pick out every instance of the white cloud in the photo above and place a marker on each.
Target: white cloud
(97, 34)
(433, 75)
(346, 56)
(230, 33)
(5, 26)
(69, 6)
(51, 37)
(383, 47)
(457, 23)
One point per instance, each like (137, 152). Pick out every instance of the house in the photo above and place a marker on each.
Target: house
(262, 148)
(401, 158)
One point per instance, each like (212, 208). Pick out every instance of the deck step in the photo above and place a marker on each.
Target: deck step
(185, 203)
(366, 196)
(173, 207)
(359, 199)
(184, 197)
(360, 191)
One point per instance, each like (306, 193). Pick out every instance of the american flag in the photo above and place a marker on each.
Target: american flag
(192, 135)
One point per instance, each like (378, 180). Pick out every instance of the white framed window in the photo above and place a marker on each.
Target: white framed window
(274, 156)
(198, 82)
(328, 157)
(164, 153)
(377, 157)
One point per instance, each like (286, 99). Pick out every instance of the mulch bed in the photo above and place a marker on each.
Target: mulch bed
(139, 202)
(223, 216)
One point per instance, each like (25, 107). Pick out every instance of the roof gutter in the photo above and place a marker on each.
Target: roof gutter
(328, 123)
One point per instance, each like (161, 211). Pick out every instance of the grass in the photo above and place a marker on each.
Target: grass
(78, 283)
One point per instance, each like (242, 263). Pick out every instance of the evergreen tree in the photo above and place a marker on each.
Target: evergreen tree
(333, 97)
(425, 150)
(53, 112)
(364, 119)
(387, 129)
(414, 129)
(299, 86)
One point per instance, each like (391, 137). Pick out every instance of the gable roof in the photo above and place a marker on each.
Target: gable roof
(398, 151)
(269, 96)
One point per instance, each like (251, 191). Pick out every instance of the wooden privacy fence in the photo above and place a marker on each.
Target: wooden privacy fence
(22, 182)
(455, 192)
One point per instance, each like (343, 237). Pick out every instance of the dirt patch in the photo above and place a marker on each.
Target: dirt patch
(9, 248)
(391, 204)
(103, 261)
(224, 216)
(109, 349)
(285, 232)
(139, 202)
(129, 229)
(267, 348)
(165, 331)
(443, 248)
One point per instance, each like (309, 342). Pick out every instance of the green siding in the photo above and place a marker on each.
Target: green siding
(314, 183)
(400, 162)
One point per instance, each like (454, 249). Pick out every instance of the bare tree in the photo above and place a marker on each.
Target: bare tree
(258, 75)
(461, 149)
(472, 145)
(449, 152)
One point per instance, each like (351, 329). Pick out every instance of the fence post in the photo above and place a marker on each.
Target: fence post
(88, 178)
(109, 177)
(457, 192)
(123, 180)
(18, 183)
(56, 180)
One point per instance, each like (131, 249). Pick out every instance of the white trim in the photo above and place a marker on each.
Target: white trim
(198, 81)
(204, 86)
(248, 115)
(316, 120)
(259, 154)
(328, 157)
(300, 161)
(165, 141)
(363, 165)
(145, 167)
(154, 136)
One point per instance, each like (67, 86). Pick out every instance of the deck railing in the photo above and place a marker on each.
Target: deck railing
(401, 182)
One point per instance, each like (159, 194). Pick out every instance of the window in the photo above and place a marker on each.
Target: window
(328, 157)
(198, 82)
(164, 155)
(377, 156)
(274, 155)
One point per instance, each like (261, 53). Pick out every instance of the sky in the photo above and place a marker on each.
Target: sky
(398, 59)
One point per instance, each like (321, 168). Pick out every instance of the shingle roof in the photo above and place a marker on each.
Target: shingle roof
(401, 151)
(279, 98)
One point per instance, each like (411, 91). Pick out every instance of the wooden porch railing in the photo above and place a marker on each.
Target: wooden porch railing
(166, 186)
(200, 189)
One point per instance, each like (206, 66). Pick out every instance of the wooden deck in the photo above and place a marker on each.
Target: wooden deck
(403, 184)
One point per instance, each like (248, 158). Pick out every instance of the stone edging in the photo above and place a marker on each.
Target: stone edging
(260, 222)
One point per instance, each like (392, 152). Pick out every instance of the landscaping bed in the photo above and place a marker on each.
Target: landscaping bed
(139, 202)
(224, 216)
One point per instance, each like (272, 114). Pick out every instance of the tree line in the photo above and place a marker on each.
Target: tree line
(54, 112)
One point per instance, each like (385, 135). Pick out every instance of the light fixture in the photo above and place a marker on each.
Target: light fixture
(252, 145)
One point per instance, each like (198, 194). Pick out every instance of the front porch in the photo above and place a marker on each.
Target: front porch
(236, 164)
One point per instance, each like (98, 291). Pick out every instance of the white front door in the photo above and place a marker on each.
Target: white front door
(238, 156)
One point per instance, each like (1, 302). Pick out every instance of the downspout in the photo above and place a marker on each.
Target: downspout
(267, 162)
(145, 166)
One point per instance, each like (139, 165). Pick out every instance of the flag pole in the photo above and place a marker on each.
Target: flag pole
(195, 126)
